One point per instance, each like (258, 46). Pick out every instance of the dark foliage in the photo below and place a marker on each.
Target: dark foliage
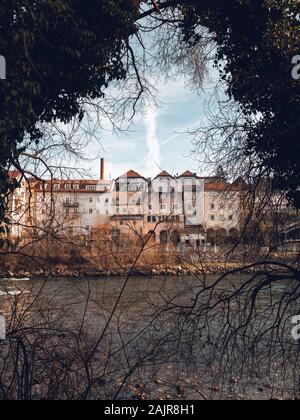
(257, 40)
(57, 52)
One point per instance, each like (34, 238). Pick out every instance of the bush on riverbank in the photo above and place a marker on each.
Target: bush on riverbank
(110, 259)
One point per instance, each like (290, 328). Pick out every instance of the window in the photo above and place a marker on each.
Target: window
(212, 217)
(67, 186)
(90, 211)
(56, 187)
(91, 187)
(198, 243)
(222, 206)
(230, 217)
(222, 218)
(134, 187)
(212, 206)
(90, 199)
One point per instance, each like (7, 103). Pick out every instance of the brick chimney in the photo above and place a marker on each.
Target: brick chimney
(102, 170)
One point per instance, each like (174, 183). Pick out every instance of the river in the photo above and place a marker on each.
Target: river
(154, 330)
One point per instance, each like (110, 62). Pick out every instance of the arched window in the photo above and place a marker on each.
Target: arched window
(163, 237)
(175, 237)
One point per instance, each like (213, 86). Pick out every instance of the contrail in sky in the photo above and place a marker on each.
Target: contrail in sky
(153, 159)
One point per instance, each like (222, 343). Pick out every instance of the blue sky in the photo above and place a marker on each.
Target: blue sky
(157, 140)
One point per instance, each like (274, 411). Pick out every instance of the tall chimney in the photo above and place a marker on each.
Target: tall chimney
(102, 170)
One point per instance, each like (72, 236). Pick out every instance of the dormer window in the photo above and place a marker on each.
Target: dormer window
(91, 187)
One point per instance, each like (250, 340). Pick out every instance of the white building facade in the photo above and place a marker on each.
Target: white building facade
(178, 209)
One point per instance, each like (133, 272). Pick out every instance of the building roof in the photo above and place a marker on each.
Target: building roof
(188, 174)
(199, 229)
(14, 174)
(51, 186)
(163, 174)
(221, 186)
(132, 174)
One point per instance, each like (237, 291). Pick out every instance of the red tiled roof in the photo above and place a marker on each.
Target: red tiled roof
(221, 186)
(187, 174)
(49, 186)
(14, 174)
(132, 174)
(164, 174)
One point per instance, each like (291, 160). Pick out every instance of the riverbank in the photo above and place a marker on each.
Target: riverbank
(207, 268)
